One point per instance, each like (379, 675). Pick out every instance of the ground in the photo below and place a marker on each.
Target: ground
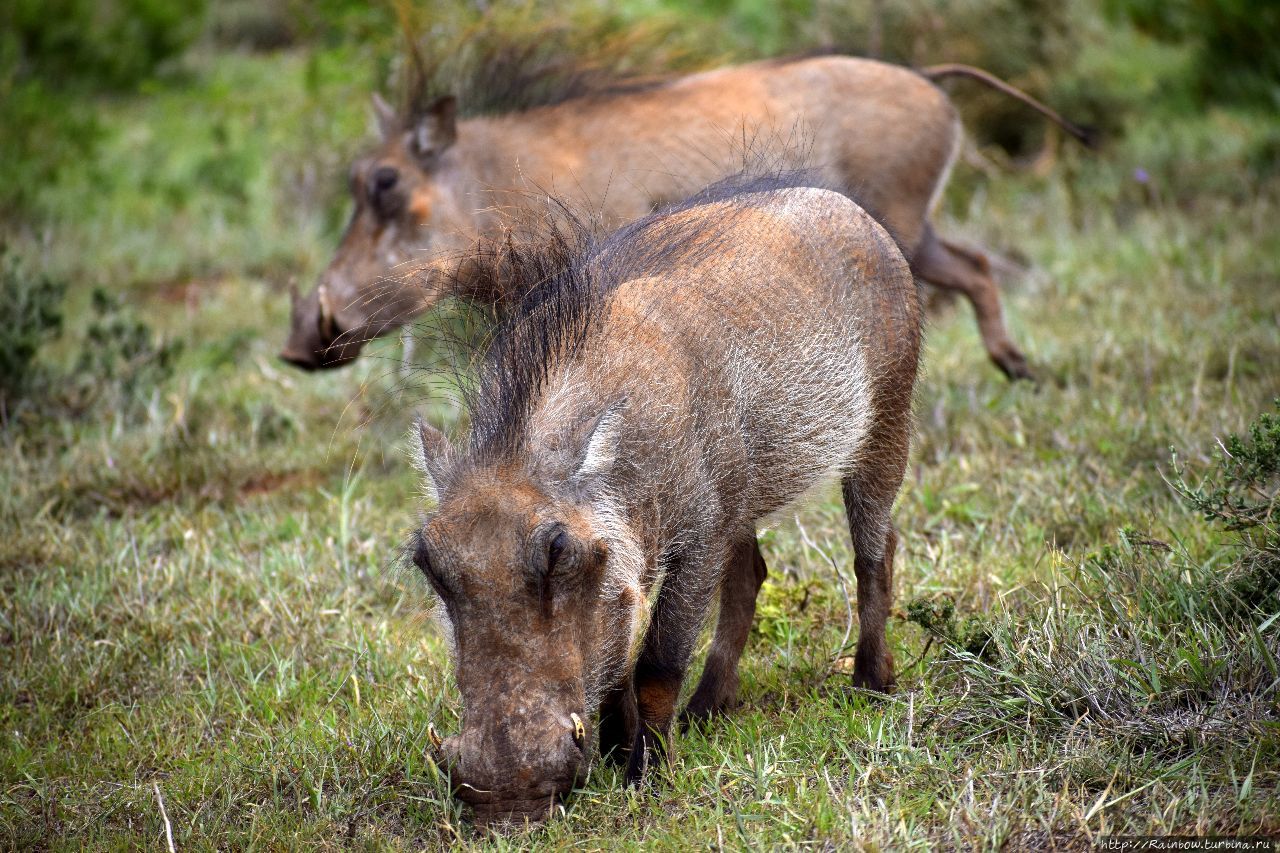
(205, 628)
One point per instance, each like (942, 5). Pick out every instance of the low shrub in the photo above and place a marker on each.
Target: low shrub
(122, 360)
(31, 305)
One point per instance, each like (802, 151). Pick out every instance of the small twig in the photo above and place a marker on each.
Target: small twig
(168, 830)
(928, 644)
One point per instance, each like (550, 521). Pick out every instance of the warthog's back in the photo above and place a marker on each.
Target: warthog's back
(878, 132)
(761, 349)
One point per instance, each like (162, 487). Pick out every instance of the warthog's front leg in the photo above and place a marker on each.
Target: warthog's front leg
(619, 723)
(673, 631)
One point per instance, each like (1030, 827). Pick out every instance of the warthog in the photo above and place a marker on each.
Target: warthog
(654, 398)
(880, 133)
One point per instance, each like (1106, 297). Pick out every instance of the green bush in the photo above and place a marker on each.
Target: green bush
(937, 616)
(31, 305)
(54, 54)
(1237, 42)
(43, 132)
(96, 44)
(272, 24)
(122, 357)
(1241, 493)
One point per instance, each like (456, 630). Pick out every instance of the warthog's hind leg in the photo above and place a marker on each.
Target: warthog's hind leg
(873, 662)
(868, 493)
(718, 689)
(952, 267)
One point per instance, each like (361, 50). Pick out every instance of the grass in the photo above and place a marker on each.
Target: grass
(202, 618)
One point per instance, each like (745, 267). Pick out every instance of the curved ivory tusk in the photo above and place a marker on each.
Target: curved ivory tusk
(579, 730)
(326, 312)
(434, 735)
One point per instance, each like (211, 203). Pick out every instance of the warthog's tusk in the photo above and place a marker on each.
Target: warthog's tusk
(434, 735)
(326, 313)
(579, 730)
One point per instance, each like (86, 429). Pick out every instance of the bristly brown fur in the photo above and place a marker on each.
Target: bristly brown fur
(493, 71)
(562, 277)
(651, 398)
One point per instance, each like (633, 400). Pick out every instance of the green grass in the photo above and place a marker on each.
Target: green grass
(200, 606)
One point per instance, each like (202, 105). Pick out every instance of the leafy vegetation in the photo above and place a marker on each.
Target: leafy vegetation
(201, 616)
(32, 303)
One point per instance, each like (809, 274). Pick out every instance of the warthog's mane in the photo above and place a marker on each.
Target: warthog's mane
(492, 71)
(565, 275)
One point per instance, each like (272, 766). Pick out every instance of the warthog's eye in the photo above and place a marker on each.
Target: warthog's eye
(382, 191)
(544, 565)
(422, 559)
(385, 178)
(555, 549)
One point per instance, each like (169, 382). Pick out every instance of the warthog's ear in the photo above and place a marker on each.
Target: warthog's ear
(432, 458)
(600, 446)
(385, 115)
(436, 129)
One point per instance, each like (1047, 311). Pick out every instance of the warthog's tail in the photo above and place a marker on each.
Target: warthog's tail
(1088, 136)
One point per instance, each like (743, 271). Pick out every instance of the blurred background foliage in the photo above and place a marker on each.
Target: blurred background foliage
(1113, 63)
(150, 143)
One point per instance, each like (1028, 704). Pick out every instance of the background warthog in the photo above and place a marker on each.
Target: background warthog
(877, 132)
(654, 399)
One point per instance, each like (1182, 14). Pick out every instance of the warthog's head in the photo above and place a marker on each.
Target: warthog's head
(402, 211)
(541, 601)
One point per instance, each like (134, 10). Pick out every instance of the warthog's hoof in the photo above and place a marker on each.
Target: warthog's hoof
(878, 677)
(1013, 364)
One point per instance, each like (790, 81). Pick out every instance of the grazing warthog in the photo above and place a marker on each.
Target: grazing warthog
(653, 399)
(880, 133)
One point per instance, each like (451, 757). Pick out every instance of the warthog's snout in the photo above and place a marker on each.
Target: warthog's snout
(513, 775)
(319, 357)
(317, 339)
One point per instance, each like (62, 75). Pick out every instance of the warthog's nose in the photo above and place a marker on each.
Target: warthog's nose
(515, 777)
(298, 358)
(321, 357)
